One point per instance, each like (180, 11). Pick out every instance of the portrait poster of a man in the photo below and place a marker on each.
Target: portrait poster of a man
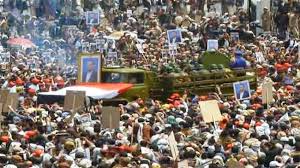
(90, 69)
(242, 90)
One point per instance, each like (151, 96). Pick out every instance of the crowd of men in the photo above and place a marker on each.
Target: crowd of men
(250, 134)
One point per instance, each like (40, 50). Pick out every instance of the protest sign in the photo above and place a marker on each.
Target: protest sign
(172, 49)
(140, 48)
(173, 146)
(92, 17)
(85, 46)
(110, 117)
(61, 58)
(139, 10)
(46, 57)
(129, 13)
(174, 36)
(183, 164)
(3, 95)
(210, 111)
(93, 47)
(5, 57)
(112, 59)
(31, 63)
(3, 98)
(11, 101)
(267, 93)
(212, 45)
(74, 100)
(1, 116)
(100, 44)
(111, 43)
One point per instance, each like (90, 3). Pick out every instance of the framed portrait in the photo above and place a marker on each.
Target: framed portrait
(92, 17)
(212, 45)
(112, 59)
(89, 68)
(241, 90)
(174, 36)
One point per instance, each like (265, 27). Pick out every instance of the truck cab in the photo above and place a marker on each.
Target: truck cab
(142, 81)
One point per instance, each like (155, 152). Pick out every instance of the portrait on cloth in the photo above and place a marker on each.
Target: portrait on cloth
(90, 68)
(174, 36)
(241, 90)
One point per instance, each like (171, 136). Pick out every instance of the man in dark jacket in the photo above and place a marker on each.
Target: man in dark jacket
(91, 75)
(282, 22)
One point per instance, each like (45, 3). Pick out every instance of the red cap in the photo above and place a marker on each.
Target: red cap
(58, 79)
(229, 146)
(37, 152)
(289, 87)
(31, 91)
(11, 84)
(61, 83)
(246, 125)
(176, 103)
(172, 97)
(27, 137)
(35, 81)
(287, 65)
(4, 138)
(176, 95)
(280, 67)
(203, 98)
(47, 81)
(258, 124)
(30, 133)
(19, 82)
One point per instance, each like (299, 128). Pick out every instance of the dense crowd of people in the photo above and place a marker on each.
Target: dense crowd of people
(250, 134)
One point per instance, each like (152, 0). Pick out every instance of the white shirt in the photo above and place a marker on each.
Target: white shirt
(241, 95)
(88, 76)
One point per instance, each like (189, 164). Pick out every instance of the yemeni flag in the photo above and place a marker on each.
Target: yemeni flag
(93, 90)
